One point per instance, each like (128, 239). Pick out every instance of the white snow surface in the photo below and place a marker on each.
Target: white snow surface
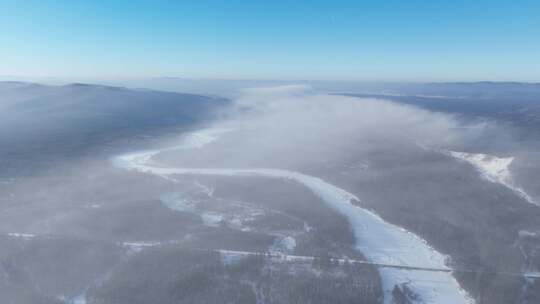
(288, 243)
(175, 201)
(22, 235)
(211, 219)
(139, 246)
(81, 299)
(179, 202)
(283, 244)
(494, 169)
(380, 241)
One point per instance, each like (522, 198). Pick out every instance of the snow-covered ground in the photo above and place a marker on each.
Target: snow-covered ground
(288, 243)
(283, 244)
(494, 169)
(22, 235)
(380, 241)
(135, 247)
(235, 218)
(80, 299)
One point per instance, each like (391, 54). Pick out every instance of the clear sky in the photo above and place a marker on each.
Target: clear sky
(428, 40)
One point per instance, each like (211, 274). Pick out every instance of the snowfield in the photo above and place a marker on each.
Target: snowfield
(380, 241)
(494, 169)
(22, 235)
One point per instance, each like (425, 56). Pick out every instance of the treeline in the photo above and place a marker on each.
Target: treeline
(173, 275)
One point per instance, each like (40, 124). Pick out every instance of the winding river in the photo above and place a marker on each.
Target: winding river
(379, 241)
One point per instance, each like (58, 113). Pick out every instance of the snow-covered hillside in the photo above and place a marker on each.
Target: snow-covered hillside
(494, 169)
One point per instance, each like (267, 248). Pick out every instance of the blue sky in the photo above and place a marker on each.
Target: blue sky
(334, 40)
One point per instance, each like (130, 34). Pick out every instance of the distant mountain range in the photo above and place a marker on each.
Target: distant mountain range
(512, 103)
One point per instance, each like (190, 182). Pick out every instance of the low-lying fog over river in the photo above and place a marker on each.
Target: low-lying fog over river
(284, 194)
